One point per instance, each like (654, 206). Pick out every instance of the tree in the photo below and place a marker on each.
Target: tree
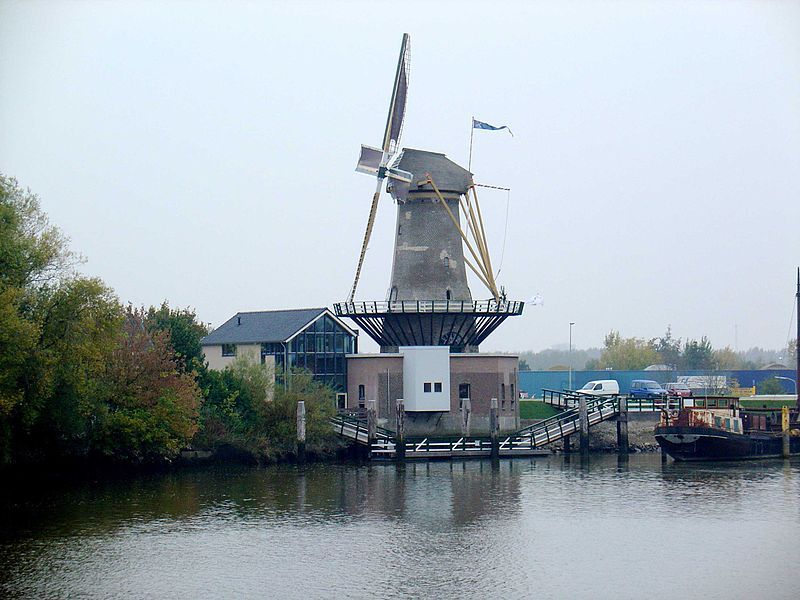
(770, 386)
(79, 324)
(246, 413)
(698, 355)
(279, 423)
(233, 405)
(149, 406)
(184, 330)
(34, 253)
(790, 353)
(668, 349)
(626, 354)
(54, 329)
(727, 359)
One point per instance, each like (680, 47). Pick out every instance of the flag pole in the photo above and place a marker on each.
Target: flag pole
(471, 133)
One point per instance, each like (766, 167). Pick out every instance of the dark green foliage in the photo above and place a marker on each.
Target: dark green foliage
(185, 332)
(81, 377)
(280, 416)
(770, 386)
(245, 411)
(627, 354)
(75, 379)
(668, 349)
(698, 355)
(148, 408)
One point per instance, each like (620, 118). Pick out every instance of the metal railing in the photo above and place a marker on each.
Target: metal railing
(568, 422)
(356, 429)
(571, 398)
(523, 441)
(429, 306)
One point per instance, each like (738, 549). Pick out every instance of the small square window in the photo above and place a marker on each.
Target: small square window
(228, 349)
(426, 387)
(437, 387)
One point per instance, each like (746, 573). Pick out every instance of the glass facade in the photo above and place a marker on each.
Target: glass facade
(320, 348)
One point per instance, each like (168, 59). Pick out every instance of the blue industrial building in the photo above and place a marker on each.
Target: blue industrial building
(533, 382)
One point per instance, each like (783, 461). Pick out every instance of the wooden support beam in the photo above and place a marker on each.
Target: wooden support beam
(583, 418)
(301, 431)
(622, 426)
(400, 440)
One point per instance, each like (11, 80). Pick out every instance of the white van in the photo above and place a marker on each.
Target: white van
(601, 387)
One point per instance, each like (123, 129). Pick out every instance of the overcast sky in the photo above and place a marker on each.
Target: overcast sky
(204, 153)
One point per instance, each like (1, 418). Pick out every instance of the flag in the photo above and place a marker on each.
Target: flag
(481, 125)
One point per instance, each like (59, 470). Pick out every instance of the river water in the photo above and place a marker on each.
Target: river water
(549, 527)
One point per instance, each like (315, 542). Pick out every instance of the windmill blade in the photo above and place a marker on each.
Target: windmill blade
(369, 161)
(370, 222)
(373, 161)
(397, 106)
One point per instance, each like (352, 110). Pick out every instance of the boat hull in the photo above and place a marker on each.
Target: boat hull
(705, 443)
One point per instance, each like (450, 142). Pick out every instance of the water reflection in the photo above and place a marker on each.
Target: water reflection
(471, 528)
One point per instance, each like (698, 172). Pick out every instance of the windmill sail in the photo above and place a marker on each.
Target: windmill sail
(397, 107)
(373, 161)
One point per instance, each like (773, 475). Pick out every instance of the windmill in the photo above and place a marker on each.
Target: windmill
(429, 302)
(375, 161)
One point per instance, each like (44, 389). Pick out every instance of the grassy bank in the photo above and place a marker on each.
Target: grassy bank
(535, 409)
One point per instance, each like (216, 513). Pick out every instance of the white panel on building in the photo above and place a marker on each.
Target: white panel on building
(426, 378)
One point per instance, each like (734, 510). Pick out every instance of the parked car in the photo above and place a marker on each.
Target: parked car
(678, 389)
(601, 387)
(646, 388)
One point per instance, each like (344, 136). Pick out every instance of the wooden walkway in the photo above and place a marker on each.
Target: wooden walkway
(529, 441)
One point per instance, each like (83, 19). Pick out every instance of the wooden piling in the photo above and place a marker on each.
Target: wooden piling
(466, 416)
(372, 423)
(494, 429)
(785, 440)
(567, 444)
(400, 441)
(622, 426)
(583, 417)
(301, 431)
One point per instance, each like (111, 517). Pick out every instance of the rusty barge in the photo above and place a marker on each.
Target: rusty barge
(724, 431)
(727, 433)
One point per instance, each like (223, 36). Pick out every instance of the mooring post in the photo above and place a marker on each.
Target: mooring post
(622, 426)
(372, 424)
(786, 442)
(567, 444)
(494, 429)
(301, 431)
(400, 441)
(583, 418)
(466, 412)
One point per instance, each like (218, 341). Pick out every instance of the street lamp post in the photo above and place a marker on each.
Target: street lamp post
(571, 323)
(788, 379)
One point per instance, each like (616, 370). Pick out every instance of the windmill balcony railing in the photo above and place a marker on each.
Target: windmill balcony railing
(429, 306)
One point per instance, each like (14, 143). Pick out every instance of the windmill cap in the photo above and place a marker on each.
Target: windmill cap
(447, 175)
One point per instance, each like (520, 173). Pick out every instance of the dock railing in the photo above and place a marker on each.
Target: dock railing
(567, 399)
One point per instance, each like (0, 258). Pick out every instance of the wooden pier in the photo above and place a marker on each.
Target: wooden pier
(579, 413)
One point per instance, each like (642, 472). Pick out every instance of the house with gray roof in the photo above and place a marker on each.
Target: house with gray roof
(309, 338)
